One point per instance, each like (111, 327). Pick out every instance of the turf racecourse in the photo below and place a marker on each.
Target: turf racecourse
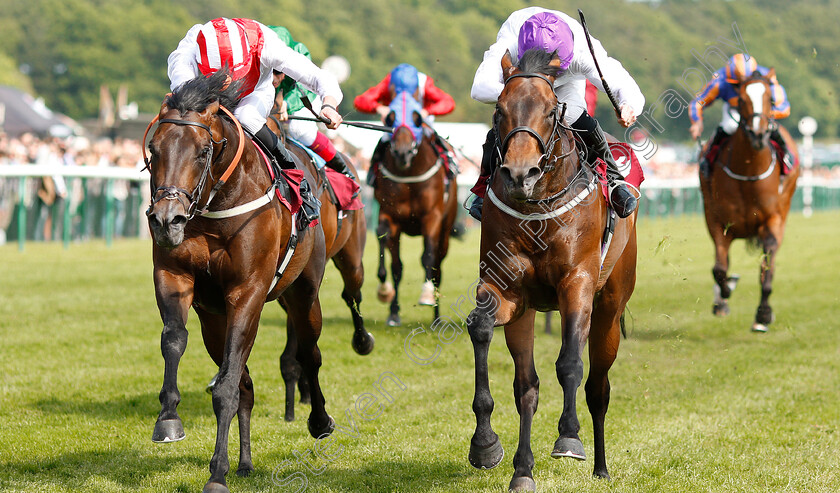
(698, 404)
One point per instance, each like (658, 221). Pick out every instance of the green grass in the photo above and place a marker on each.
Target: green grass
(699, 404)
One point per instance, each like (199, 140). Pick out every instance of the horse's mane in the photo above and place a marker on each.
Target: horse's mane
(198, 93)
(538, 61)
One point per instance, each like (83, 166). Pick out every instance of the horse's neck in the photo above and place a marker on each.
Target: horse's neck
(247, 172)
(742, 156)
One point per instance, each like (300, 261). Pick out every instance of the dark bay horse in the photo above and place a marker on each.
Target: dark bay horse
(541, 250)
(414, 198)
(745, 195)
(345, 233)
(220, 240)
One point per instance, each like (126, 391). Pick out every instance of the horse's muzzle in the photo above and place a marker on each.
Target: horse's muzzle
(519, 181)
(167, 223)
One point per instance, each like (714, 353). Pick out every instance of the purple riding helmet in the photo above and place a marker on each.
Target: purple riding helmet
(549, 32)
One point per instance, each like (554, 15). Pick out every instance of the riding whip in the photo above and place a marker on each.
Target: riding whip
(598, 67)
(318, 118)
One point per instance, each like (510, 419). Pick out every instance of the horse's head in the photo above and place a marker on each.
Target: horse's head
(183, 148)
(527, 120)
(407, 121)
(754, 107)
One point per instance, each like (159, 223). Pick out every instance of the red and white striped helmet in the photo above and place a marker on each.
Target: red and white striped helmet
(232, 43)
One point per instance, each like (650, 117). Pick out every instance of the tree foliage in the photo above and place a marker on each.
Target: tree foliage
(71, 47)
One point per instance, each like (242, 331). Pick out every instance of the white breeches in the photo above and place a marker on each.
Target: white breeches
(573, 94)
(729, 120)
(254, 108)
(303, 131)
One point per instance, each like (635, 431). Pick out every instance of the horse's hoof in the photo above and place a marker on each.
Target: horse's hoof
(215, 488)
(244, 470)
(321, 432)
(757, 327)
(523, 483)
(764, 315)
(486, 457)
(305, 399)
(427, 295)
(363, 344)
(568, 447)
(394, 320)
(168, 430)
(385, 292)
(601, 474)
(720, 309)
(289, 416)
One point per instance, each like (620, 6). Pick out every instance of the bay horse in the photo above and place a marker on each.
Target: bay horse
(414, 198)
(345, 233)
(744, 195)
(541, 250)
(224, 245)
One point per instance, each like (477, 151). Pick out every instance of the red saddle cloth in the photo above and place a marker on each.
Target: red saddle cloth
(624, 156)
(345, 188)
(293, 177)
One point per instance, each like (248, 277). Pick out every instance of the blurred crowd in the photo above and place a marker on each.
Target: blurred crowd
(46, 199)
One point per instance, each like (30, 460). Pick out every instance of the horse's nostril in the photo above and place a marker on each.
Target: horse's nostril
(154, 222)
(533, 173)
(506, 174)
(178, 220)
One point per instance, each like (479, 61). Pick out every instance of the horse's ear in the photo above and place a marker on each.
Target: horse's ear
(213, 107)
(507, 65)
(771, 74)
(390, 119)
(418, 119)
(556, 64)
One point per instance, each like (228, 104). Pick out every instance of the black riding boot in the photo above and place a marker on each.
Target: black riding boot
(338, 164)
(311, 206)
(487, 162)
(704, 164)
(777, 138)
(623, 202)
(376, 160)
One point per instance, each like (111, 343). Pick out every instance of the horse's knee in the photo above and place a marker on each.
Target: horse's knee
(173, 340)
(480, 326)
(569, 366)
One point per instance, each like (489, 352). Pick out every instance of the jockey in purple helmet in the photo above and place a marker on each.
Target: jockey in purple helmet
(554, 31)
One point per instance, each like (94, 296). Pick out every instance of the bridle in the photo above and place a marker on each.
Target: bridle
(743, 121)
(546, 148)
(171, 192)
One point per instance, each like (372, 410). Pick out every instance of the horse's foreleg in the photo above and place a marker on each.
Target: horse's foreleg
(243, 414)
(723, 284)
(770, 240)
(384, 292)
(576, 317)
(349, 264)
(396, 274)
(485, 448)
(519, 336)
(242, 323)
(174, 295)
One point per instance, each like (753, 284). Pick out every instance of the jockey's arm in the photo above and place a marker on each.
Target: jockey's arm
(375, 97)
(180, 66)
(435, 100)
(280, 57)
(695, 108)
(781, 105)
(629, 97)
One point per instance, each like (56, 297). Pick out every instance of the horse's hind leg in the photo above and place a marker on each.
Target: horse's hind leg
(396, 274)
(349, 263)
(723, 284)
(771, 237)
(290, 369)
(385, 291)
(301, 298)
(519, 336)
(604, 337)
(576, 316)
(243, 414)
(174, 296)
(430, 260)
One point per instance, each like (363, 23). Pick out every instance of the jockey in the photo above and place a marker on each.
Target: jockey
(251, 51)
(724, 85)
(406, 78)
(554, 31)
(290, 96)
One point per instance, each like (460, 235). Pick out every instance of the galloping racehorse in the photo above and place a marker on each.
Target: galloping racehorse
(745, 196)
(542, 249)
(225, 246)
(345, 233)
(414, 198)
